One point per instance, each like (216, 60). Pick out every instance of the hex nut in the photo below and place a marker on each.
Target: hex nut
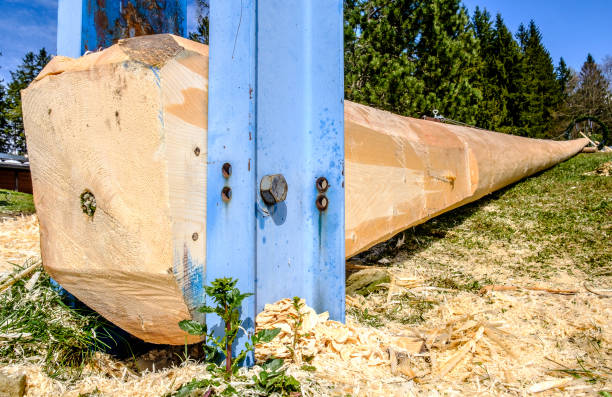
(273, 189)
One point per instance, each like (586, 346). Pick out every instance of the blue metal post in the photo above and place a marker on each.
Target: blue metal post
(87, 25)
(300, 134)
(276, 107)
(230, 224)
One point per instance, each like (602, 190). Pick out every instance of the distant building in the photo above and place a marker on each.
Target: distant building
(15, 173)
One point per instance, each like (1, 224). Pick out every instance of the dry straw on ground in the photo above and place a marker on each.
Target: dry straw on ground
(604, 169)
(19, 241)
(503, 343)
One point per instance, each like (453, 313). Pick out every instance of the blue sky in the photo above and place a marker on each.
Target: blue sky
(571, 28)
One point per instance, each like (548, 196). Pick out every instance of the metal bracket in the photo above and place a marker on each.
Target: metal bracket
(300, 134)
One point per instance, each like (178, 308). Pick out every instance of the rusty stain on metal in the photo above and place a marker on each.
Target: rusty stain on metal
(108, 21)
(132, 23)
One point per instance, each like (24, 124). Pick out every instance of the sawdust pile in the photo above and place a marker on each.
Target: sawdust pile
(500, 342)
(468, 345)
(110, 378)
(604, 169)
(19, 241)
(514, 339)
(317, 336)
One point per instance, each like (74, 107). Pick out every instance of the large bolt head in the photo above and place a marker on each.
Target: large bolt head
(273, 189)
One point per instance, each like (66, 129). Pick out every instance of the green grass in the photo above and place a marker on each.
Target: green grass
(15, 203)
(459, 282)
(366, 317)
(37, 326)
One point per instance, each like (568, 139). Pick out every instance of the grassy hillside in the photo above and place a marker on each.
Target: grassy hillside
(15, 203)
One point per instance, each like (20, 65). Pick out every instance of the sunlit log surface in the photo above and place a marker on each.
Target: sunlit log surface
(402, 171)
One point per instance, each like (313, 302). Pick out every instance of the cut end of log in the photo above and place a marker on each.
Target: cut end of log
(153, 50)
(118, 189)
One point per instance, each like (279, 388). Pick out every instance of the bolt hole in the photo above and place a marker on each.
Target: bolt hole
(226, 194)
(196, 151)
(226, 169)
(322, 202)
(88, 203)
(194, 237)
(322, 184)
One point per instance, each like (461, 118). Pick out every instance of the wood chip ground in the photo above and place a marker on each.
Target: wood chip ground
(551, 338)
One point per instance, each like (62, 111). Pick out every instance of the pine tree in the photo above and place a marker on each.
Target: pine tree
(490, 107)
(5, 142)
(607, 68)
(499, 53)
(379, 54)
(447, 60)
(13, 133)
(537, 88)
(202, 33)
(564, 75)
(567, 83)
(507, 57)
(411, 57)
(592, 97)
